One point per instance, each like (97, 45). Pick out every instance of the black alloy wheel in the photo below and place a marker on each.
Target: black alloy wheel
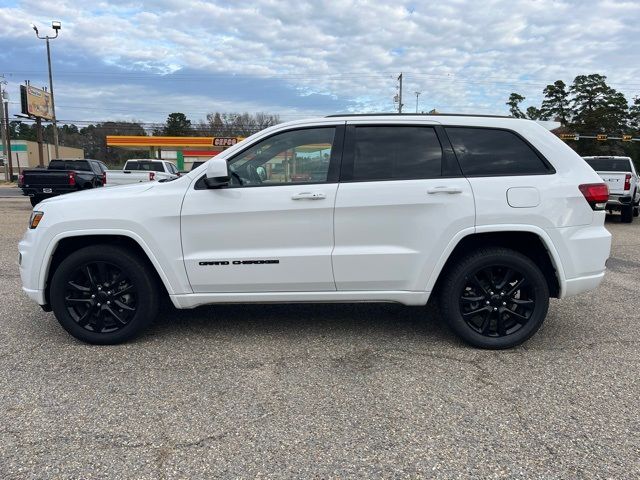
(494, 298)
(497, 300)
(104, 294)
(100, 297)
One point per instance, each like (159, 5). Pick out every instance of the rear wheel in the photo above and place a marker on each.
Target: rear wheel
(495, 298)
(626, 214)
(104, 295)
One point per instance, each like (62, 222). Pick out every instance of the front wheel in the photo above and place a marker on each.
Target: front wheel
(35, 200)
(104, 294)
(494, 298)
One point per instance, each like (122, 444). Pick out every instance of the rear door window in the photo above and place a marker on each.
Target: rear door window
(395, 153)
(489, 152)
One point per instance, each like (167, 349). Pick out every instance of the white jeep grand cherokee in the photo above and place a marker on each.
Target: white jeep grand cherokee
(493, 215)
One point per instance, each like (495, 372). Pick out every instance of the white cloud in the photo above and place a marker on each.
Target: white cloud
(462, 55)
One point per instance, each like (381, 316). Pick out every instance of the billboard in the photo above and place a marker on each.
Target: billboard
(36, 102)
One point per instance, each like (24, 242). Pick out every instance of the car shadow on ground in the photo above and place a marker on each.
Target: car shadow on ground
(295, 320)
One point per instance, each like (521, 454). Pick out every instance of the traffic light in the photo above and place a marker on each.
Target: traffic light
(627, 138)
(601, 137)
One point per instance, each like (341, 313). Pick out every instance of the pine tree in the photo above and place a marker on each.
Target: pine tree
(556, 105)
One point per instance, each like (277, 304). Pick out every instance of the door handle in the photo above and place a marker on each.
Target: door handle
(308, 196)
(444, 189)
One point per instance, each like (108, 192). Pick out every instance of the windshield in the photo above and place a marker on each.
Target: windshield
(610, 164)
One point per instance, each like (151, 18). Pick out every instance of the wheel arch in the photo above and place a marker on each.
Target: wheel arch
(530, 241)
(63, 245)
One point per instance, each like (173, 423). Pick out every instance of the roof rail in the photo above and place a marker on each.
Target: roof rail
(417, 114)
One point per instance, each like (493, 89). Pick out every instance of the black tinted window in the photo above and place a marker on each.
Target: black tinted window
(610, 164)
(389, 153)
(146, 166)
(484, 151)
(69, 165)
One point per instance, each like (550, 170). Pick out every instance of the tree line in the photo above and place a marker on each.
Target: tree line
(588, 106)
(92, 138)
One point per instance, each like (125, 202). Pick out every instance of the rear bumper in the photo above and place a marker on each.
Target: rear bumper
(33, 191)
(584, 251)
(618, 200)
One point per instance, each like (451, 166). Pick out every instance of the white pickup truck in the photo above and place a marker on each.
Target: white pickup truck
(619, 173)
(141, 170)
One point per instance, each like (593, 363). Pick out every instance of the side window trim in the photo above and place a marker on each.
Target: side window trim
(449, 161)
(550, 169)
(335, 160)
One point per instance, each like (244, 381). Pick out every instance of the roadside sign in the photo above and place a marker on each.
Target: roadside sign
(224, 141)
(36, 102)
(569, 136)
(601, 137)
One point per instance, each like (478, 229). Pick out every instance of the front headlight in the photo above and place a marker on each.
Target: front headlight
(35, 219)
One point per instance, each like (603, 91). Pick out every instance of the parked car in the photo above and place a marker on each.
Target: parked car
(490, 215)
(619, 173)
(142, 170)
(61, 176)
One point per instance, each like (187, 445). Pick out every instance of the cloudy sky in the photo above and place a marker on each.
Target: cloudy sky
(142, 60)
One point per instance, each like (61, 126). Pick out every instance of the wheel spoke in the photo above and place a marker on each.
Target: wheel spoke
(474, 312)
(522, 303)
(86, 316)
(126, 289)
(124, 306)
(80, 288)
(87, 272)
(516, 315)
(115, 315)
(508, 275)
(98, 323)
(516, 287)
(500, 323)
(78, 300)
(486, 323)
(472, 299)
(474, 279)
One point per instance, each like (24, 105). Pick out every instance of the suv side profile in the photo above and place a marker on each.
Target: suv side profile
(492, 215)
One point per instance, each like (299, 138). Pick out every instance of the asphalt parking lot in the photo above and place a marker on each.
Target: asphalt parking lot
(322, 391)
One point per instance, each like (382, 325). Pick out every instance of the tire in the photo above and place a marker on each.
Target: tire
(626, 214)
(35, 200)
(472, 298)
(104, 295)
(636, 211)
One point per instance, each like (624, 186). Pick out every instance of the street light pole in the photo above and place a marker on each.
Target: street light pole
(56, 27)
(417, 95)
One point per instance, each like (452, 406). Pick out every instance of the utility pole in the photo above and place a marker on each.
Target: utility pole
(400, 93)
(417, 95)
(39, 139)
(56, 27)
(3, 132)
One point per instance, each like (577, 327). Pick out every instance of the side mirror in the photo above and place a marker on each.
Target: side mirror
(217, 175)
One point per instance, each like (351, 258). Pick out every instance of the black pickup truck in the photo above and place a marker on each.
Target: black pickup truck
(61, 176)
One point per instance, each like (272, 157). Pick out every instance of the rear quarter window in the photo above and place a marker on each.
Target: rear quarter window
(490, 152)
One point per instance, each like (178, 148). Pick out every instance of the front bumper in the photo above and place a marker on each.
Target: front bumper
(30, 267)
